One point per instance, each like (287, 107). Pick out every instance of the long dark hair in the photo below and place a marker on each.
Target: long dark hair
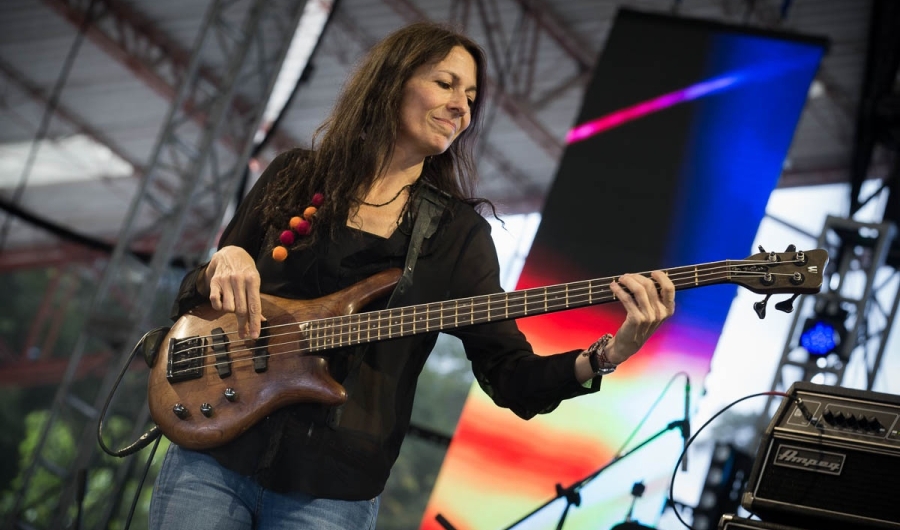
(355, 142)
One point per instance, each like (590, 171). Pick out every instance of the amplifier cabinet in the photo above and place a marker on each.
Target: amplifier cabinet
(832, 463)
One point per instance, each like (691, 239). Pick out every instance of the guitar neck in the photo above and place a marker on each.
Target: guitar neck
(385, 324)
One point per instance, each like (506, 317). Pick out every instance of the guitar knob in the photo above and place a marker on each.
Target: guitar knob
(230, 394)
(180, 411)
(206, 409)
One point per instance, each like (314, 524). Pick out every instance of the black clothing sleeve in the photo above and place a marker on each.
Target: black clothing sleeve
(503, 361)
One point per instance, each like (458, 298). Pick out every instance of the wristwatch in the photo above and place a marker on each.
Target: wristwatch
(600, 363)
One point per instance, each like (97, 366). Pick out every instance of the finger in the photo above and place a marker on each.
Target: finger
(215, 295)
(240, 304)
(254, 308)
(666, 293)
(641, 290)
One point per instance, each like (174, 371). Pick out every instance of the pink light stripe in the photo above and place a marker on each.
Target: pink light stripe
(619, 117)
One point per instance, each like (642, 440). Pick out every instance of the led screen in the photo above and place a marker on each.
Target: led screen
(680, 140)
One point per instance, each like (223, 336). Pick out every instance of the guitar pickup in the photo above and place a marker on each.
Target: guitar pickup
(185, 359)
(220, 348)
(261, 350)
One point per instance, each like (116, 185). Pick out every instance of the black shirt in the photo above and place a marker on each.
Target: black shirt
(305, 447)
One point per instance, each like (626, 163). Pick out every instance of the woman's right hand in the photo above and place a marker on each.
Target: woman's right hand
(232, 282)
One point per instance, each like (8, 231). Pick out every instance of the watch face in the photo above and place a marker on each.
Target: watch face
(604, 370)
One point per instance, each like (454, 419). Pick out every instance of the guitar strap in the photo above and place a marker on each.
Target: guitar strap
(429, 205)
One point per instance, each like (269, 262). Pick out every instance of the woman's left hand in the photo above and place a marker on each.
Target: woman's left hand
(649, 302)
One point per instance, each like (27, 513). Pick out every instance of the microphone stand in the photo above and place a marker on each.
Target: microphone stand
(571, 493)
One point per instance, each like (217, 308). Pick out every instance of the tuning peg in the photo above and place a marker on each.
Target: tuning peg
(787, 305)
(791, 248)
(761, 249)
(760, 307)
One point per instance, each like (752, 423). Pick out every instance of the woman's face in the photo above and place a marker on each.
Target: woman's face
(437, 103)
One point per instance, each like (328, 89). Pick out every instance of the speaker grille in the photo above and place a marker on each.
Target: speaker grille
(865, 491)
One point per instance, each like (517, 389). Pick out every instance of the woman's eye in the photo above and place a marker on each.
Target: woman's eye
(443, 84)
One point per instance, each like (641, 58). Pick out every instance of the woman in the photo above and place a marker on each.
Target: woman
(320, 221)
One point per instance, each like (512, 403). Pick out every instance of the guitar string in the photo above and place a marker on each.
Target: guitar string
(514, 296)
(686, 272)
(575, 296)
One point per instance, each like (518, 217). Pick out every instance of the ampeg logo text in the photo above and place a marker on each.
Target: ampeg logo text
(818, 461)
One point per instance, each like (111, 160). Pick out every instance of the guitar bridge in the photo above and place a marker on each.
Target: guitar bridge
(185, 359)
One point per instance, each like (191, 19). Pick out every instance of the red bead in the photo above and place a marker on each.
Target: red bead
(287, 237)
(302, 228)
(318, 199)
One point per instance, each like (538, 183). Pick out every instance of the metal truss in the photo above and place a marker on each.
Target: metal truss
(863, 289)
(161, 62)
(192, 174)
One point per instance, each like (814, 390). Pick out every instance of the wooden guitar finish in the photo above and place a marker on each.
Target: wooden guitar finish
(245, 396)
(207, 386)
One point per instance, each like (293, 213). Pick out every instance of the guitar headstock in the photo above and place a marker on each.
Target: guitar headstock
(793, 272)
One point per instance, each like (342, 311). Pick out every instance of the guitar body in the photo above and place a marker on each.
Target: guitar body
(207, 386)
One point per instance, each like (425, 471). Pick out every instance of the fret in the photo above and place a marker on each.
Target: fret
(414, 320)
(525, 302)
(696, 276)
(489, 308)
(590, 292)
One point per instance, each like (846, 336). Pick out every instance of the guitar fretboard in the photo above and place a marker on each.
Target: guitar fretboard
(385, 324)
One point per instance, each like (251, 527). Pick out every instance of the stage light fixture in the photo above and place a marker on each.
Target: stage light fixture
(824, 333)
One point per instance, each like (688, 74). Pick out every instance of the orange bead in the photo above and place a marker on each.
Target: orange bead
(309, 212)
(295, 221)
(279, 253)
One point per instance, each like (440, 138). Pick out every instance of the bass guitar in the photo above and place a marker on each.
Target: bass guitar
(207, 386)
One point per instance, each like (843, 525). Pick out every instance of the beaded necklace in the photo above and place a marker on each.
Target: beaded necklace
(299, 225)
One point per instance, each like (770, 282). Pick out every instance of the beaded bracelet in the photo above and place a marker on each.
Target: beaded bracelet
(600, 363)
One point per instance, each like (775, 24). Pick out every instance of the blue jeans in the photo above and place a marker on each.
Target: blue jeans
(194, 492)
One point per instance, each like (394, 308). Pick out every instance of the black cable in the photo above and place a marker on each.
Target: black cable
(140, 484)
(49, 110)
(145, 438)
(691, 440)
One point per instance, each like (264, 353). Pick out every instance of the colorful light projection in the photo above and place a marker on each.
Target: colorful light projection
(686, 183)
